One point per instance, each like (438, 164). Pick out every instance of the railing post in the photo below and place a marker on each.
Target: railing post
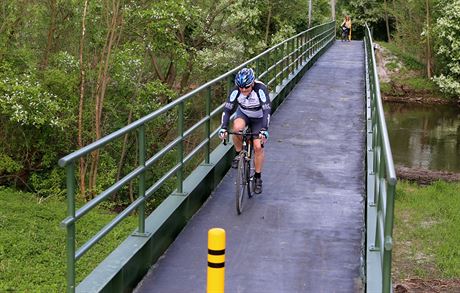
(388, 244)
(297, 52)
(142, 154)
(267, 65)
(288, 59)
(180, 147)
(294, 55)
(275, 52)
(208, 126)
(71, 228)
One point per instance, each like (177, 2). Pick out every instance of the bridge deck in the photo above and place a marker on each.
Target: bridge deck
(304, 232)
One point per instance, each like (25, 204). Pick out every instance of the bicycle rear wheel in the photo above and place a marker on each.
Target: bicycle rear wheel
(241, 184)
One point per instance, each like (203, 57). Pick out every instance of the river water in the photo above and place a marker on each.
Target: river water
(424, 136)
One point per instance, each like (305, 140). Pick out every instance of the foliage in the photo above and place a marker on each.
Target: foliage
(35, 117)
(447, 29)
(24, 100)
(30, 234)
(425, 232)
(410, 23)
(285, 32)
(160, 50)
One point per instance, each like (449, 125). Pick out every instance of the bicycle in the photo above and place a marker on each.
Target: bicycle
(244, 179)
(344, 33)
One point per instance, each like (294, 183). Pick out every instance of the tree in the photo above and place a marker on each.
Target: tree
(447, 29)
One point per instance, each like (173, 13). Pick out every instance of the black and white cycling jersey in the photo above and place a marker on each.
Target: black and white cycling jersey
(256, 105)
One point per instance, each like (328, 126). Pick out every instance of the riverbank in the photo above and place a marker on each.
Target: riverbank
(425, 176)
(402, 79)
(414, 97)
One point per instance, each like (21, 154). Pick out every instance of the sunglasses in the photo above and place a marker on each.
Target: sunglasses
(245, 87)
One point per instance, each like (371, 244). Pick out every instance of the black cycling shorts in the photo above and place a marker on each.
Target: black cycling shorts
(254, 123)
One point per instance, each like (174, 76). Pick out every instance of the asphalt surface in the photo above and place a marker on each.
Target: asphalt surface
(304, 232)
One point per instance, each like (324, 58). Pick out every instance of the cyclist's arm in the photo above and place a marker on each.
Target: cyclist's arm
(266, 105)
(228, 107)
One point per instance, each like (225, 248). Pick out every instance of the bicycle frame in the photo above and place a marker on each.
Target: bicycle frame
(247, 140)
(244, 179)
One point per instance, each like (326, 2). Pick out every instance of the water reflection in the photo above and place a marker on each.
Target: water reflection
(424, 136)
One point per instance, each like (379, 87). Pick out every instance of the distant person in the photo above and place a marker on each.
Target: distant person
(254, 109)
(346, 27)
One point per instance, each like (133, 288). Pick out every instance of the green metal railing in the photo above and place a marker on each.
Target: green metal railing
(274, 66)
(381, 182)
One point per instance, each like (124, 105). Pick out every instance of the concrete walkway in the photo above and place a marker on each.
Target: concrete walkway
(304, 232)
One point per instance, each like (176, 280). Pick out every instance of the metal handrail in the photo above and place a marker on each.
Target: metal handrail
(278, 62)
(381, 175)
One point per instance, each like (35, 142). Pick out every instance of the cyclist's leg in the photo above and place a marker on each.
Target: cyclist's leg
(256, 126)
(239, 124)
(259, 155)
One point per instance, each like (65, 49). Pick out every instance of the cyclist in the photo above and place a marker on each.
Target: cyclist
(346, 26)
(254, 109)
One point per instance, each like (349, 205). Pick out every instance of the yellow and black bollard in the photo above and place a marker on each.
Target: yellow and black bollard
(216, 260)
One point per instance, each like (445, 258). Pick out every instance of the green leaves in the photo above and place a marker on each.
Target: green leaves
(447, 29)
(24, 100)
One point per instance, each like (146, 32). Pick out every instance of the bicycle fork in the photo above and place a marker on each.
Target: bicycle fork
(248, 146)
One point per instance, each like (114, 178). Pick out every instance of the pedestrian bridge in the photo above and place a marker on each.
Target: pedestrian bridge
(324, 220)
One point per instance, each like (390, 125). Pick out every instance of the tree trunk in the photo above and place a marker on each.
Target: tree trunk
(186, 75)
(102, 82)
(51, 30)
(395, 15)
(333, 9)
(82, 95)
(386, 22)
(269, 19)
(123, 154)
(156, 66)
(309, 13)
(428, 41)
(171, 73)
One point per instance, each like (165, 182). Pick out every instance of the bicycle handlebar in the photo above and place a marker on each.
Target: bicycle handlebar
(224, 141)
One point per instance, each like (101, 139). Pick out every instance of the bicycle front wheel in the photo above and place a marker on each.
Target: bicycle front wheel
(241, 184)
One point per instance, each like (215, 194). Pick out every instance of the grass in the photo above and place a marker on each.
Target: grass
(419, 83)
(409, 61)
(426, 231)
(32, 243)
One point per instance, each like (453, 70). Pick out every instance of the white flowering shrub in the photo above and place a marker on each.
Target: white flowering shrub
(447, 30)
(23, 100)
(31, 131)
